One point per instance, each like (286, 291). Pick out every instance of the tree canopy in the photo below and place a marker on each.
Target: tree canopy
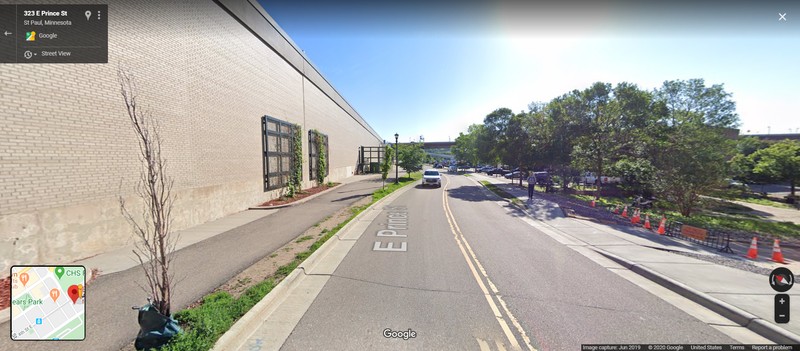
(671, 140)
(411, 157)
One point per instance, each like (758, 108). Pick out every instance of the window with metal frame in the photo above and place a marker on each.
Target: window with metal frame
(276, 146)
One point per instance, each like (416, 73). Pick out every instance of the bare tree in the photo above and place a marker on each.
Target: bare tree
(154, 246)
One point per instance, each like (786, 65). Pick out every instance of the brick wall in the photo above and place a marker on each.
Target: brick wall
(67, 150)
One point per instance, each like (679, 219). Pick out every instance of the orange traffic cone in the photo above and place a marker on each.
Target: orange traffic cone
(633, 217)
(753, 252)
(636, 216)
(662, 227)
(777, 256)
(625, 212)
(616, 210)
(647, 221)
(593, 204)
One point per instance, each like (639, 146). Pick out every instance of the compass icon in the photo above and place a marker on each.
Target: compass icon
(781, 279)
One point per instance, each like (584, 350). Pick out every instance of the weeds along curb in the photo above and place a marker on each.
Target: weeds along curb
(238, 334)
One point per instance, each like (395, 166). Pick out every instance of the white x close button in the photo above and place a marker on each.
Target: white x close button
(782, 16)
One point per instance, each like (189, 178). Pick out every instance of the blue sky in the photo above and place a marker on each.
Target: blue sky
(433, 68)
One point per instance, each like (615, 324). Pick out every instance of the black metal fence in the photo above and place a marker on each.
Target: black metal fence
(715, 238)
(712, 237)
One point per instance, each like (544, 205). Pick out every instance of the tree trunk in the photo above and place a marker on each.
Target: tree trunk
(599, 178)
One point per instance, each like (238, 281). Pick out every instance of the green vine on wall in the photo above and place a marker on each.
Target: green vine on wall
(296, 176)
(322, 156)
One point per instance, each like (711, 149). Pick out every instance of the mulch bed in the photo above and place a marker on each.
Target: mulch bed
(5, 293)
(299, 196)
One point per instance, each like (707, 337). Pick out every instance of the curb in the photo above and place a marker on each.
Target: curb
(236, 337)
(735, 314)
(238, 334)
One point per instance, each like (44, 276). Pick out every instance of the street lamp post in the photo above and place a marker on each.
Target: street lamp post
(396, 181)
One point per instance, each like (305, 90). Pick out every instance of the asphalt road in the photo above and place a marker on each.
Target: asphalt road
(200, 268)
(473, 277)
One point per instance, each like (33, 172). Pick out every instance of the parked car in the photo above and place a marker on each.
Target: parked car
(543, 178)
(486, 169)
(735, 184)
(432, 177)
(452, 169)
(515, 175)
(498, 171)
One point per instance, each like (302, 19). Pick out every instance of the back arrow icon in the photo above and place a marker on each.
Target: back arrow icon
(7, 33)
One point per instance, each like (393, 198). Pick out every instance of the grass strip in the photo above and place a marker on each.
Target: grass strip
(218, 311)
(500, 192)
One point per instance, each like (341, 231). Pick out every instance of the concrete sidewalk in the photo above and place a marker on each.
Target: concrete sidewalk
(773, 213)
(741, 296)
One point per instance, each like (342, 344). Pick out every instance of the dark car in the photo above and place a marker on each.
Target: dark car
(542, 178)
(499, 171)
(515, 175)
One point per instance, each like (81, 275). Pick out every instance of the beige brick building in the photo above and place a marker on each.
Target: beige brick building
(208, 71)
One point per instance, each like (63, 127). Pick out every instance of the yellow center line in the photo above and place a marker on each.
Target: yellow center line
(465, 247)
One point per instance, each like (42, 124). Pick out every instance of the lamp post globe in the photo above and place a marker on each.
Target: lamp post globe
(396, 180)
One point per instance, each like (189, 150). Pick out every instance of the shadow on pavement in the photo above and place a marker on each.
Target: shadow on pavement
(420, 186)
(356, 196)
(469, 193)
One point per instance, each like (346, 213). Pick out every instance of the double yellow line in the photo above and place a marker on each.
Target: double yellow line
(472, 262)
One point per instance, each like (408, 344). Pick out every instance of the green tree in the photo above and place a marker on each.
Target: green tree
(496, 126)
(411, 157)
(743, 164)
(553, 131)
(690, 138)
(693, 162)
(517, 143)
(780, 162)
(691, 100)
(388, 160)
(637, 174)
(600, 129)
(465, 148)
(749, 145)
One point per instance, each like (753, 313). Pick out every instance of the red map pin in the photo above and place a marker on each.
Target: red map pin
(73, 293)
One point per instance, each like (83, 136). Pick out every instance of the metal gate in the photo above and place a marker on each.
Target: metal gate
(370, 159)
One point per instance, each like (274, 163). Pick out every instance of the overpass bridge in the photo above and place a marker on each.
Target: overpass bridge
(431, 145)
